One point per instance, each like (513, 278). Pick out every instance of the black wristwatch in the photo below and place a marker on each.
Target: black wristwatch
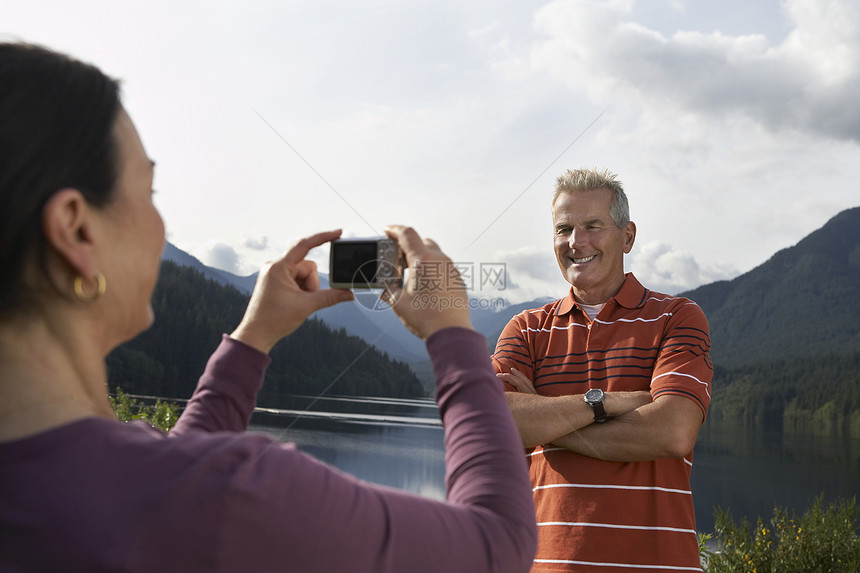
(594, 398)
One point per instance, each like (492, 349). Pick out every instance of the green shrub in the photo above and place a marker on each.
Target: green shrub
(822, 539)
(162, 415)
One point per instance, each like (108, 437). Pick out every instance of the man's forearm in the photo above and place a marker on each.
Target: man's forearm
(666, 428)
(546, 419)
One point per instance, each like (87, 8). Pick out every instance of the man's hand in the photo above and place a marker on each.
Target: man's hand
(424, 304)
(519, 381)
(286, 293)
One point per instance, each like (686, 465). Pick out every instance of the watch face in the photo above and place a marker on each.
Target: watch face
(594, 395)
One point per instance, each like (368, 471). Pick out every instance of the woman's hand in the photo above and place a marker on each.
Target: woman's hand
(434, 296)
(286, 293)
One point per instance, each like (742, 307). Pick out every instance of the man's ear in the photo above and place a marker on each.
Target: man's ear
(67, 226)
(629, 236)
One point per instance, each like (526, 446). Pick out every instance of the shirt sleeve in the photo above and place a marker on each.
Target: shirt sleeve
(512, 351)
(683, 366)
(288, 510)
(227, 390)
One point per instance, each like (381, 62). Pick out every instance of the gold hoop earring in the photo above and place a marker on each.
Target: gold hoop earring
(101, 287)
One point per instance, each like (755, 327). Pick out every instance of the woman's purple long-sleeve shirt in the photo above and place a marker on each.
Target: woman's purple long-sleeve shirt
(97, 495)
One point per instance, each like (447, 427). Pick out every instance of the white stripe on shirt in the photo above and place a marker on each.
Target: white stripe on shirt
(665, 314)
(617, 526)
(688, 376)
(627, 565)
(626, 487)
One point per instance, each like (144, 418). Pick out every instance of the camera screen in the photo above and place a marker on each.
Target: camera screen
(354, 262)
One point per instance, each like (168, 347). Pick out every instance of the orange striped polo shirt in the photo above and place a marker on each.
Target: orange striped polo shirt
(604, 516)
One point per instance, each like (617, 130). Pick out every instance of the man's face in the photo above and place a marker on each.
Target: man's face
(589, 247)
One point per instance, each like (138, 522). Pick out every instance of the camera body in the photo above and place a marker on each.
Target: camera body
(365, 263)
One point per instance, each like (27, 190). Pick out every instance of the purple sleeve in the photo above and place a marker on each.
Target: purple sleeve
(480, 437)
(287, 509)
(226, 392)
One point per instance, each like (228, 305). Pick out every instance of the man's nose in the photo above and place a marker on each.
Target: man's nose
(577, 238)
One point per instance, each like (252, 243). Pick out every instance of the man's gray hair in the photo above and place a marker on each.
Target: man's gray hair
(574, 180)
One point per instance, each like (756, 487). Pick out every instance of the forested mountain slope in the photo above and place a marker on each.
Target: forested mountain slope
(193, 311)
(785, 337)
(803, 302)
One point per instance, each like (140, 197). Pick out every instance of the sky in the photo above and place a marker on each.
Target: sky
(732, 124)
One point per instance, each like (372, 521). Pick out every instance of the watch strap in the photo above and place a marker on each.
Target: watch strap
(599, 412)
(594, 398)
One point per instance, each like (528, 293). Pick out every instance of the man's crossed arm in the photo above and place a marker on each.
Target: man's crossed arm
(638, 428)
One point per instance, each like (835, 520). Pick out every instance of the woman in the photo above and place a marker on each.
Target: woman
(80, 243)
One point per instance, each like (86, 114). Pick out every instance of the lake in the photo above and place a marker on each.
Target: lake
(749, 472)
(399, 443)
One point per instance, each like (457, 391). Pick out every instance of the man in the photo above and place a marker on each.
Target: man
(609, 387)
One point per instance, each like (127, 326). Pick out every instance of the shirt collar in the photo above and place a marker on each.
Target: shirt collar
(631, 295)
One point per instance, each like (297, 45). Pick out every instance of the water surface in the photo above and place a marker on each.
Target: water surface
(399, 443)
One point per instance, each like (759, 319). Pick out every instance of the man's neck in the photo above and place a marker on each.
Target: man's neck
(598, 296)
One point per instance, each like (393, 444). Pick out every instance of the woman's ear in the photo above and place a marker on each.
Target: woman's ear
(67, 227)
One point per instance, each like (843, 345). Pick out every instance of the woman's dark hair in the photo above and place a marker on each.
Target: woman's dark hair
(56, 131)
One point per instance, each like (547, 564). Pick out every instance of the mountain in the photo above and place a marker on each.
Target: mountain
(365, 318)
(785, 337)
(799, 303)
(191, 313)
(379, 327)
(802, 302)
(245, 285)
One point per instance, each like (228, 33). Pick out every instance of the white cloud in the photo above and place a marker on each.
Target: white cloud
(660, 267)
(732, 124)
(725, 142)
(256, 242)
(483, 30)
(808, 82)
(216, 254)
(532, 273)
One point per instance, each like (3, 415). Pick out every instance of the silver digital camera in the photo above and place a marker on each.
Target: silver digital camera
(365, 263)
